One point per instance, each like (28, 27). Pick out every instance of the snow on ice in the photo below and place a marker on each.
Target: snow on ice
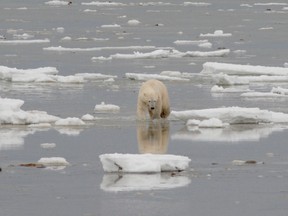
(143, 163)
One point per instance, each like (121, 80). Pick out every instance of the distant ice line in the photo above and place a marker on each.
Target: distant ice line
(31, 41)
(66, 49)
(165, 53)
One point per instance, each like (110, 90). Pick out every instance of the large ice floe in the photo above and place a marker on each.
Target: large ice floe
(11, 113)
(238, 69)
(233, 115)
(48, 75)
(237, 74)
(143, 163)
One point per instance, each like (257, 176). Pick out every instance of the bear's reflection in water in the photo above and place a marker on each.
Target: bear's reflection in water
(153, 137)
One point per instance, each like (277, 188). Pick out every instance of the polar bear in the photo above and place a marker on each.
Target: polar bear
(153, 97)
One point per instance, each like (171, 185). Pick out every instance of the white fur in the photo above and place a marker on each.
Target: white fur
(153, 98)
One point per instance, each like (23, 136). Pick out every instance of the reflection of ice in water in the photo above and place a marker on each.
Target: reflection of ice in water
(233, 133)
(153, 138)
(13, 138)
(139, 182)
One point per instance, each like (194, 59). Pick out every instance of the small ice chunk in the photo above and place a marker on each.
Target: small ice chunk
(53, 161)
(106, 107)
(111, 26)
(217, 33)
(69, 122)
(60, 29)
(87, 117)
(48, 145)
(133, 22)
(67, 38)
(143, 163)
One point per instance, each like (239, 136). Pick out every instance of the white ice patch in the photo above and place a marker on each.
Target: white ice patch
(87, 117)
(11, 113)
(106, 107)
(111, 26)
(275, 92)
(143, 163)
(221, 89)
(37, 75)
(48, 145)
(57, 3)
(133, 22)
(162, 53)
(65, 49)
(217, 33)
(31, 41)
(53, 161)
(103, 3)
(143, 77)
(70, 121)
(237, 69)
(233, 115)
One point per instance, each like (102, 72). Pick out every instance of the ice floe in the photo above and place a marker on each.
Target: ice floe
(112, 182)
(217, 33)
(143, 163)
(11, 113)
(87, 117)
(48, 145)
(221, 89)
(103, 107)
(163, 53)
(103, 3)
(142, 77)
(65, 49)
(275, 92)
(57, 3)
(237, 69)
(70, 121)
(31, 41)
(55, 163)
(196, 4)
(233, 115)
(133, 22)
(49, 75)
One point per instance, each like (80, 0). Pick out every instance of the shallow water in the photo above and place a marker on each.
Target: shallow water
(212, 185)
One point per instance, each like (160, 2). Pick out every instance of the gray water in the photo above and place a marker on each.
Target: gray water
(213, 185)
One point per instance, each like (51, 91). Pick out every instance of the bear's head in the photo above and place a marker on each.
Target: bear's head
(150, 99)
